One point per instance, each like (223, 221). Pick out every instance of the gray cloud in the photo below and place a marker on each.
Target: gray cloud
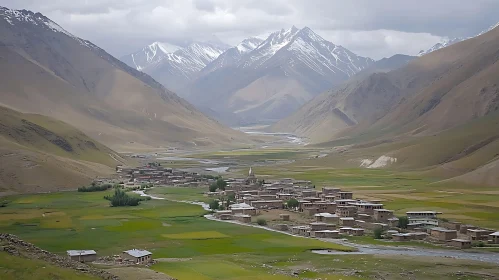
(371, 28)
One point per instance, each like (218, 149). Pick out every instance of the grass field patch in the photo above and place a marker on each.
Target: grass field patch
(196, 235)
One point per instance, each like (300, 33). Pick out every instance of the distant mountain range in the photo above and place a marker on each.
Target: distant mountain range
(438, 113)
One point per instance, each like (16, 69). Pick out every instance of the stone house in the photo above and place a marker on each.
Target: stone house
(478, 234)
(282, 227)
(402, 237)
(443, 234)
(326, 191)
(309, 193)
(357, 232)
(267, 204)
(382, 215)
(318, 226)
(344, 195)
(137, 256)
(242, 218)
(347, 222)
(346, 211)
(364, 217)
(284, 217)
(82, 255)
(327, 218)
(326, 206)
(368, 208)
(494, 238)
(461, 243)
(326, 234)
(345, 230)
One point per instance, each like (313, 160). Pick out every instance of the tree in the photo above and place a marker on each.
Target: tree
(403, 222)
(221, 184)
(378, 233)
(213, 187)
(231, 197)
(261, 222)
(261, 182)
(214, 205)
(292, 203)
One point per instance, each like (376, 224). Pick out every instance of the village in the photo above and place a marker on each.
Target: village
(298, 208)
(334, 213)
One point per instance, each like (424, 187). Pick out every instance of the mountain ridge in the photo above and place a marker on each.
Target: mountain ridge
(72, 79)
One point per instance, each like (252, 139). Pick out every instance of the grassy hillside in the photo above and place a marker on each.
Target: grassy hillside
(41, 154)
(14, 267)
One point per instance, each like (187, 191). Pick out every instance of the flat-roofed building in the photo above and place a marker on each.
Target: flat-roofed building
(318, 226)
(346, 211)
(425, 218)
(494, 238)
(478, 234)
(443, 234)
(82, 255)
(137, 256)
(461, 243)
(326, 234)
(267, 204)
(344, 195)
(347, 222)
(327, 218)
(368, 208)
(382, 215)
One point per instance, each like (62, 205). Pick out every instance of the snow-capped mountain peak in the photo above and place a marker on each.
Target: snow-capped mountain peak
(270, 47)
(249, 44)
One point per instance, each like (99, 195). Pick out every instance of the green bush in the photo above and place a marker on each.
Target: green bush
(403, 222)
(261, 222)
(121, 198)
(292, 203)
(95, 188)
(378, 233)
(214, 205)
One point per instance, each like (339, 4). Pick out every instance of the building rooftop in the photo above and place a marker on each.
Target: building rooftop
(443, 229)
(326, 231)
(138, 253)
(240, 206)
(347, 218)
(495, 233)
(460, 240)
(73, 253)
(326, 215)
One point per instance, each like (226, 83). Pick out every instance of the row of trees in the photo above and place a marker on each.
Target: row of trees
(121, 198)
(95, 188)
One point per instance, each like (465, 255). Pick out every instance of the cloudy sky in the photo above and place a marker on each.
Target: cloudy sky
(374, 28)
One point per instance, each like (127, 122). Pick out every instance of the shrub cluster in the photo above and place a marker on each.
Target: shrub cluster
(121, 198)
(95, 188)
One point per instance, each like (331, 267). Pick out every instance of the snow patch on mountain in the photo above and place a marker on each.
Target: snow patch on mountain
(448, 42)
(14, 17)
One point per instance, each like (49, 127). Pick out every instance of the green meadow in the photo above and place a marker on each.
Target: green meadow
(62, 221)
(187, 245)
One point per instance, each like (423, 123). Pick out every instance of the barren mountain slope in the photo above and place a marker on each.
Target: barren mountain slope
(48, 71)
(435, 92)
(41, 154)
